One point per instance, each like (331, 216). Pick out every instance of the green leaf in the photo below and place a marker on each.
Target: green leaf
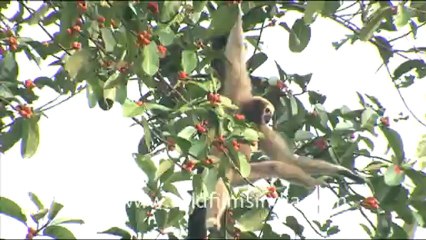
(169, 10)
(5, 92)
(244, 165)
(371, 26)
(8, 67)
(174, 216)
(403, 16)
(292, 223)
(333, 230)
(54, 210)
(30, 137)
(58, 232)
(109, 39)
(39, 215)
(210, 178)
(66, 220)
(407, 66)
(36, 200)
(187, 133)
(113, 80)
(166, 36)
(395, 142)
(11, 137)
(312, 7)
(189, 61)
(299, 36)
(368, 119)
(116, 231)
(253, 219)
(77, 62)
(11, 209)
(147, 133)
(131, 109)
(222, 20)
(151, 59)
(164, 166)
(147, 165)
(256, 61)
(250, 135)
(392, 177)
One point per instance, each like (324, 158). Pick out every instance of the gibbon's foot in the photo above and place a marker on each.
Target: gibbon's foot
(213, 223)
(349, 174)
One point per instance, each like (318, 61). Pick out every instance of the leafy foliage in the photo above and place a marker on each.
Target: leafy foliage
(166, 47)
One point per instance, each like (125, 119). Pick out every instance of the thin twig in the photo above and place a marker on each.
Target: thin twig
(309, 222)
(402, 97)
(267, 217)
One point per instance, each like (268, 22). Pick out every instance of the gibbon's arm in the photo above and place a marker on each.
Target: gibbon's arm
(276, 148)
(237, 84)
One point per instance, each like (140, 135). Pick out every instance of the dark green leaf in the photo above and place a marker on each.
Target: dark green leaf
(371, 26)
(222, 20)
(395, 142)
(58, 232)
(256, 61)
(292, 223)
(8, 139)
(8, 67)
(407, 66)
(299, 36)
(116, 231)
(11, 209)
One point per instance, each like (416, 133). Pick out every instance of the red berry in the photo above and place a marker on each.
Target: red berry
(101, 19)
(162, 50)
(385, 121)
(76, 45)
(182, 75)
(153, 7)
(29, 84)
(239, 117)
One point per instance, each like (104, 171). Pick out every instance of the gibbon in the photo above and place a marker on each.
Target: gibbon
(282, 164)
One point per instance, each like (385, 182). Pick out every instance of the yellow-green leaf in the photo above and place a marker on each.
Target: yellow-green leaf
(30, 137)
(151, 59)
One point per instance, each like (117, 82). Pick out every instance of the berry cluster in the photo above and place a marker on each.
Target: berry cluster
(201, 127)
(370, 203)
(272, 192)
(101, 21)
(13, 43)
(235, 144)
(162, 50)
(214, 98)
(29, 84)
(25, 111)
(153, 7)
(321, 143)
(189, 165)
(31, 233)
(385, 121)
(144, 38)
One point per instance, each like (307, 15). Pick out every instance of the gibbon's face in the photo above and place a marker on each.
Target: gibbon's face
(258, 110)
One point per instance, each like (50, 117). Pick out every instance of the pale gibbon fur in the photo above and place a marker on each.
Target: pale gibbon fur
(283, 163)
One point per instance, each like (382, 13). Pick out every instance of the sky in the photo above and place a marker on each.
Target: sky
(84, 160)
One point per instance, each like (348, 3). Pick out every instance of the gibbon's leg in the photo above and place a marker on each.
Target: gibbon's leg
(316, 167)
(276, 148)
(278, 169)
(217, 205)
